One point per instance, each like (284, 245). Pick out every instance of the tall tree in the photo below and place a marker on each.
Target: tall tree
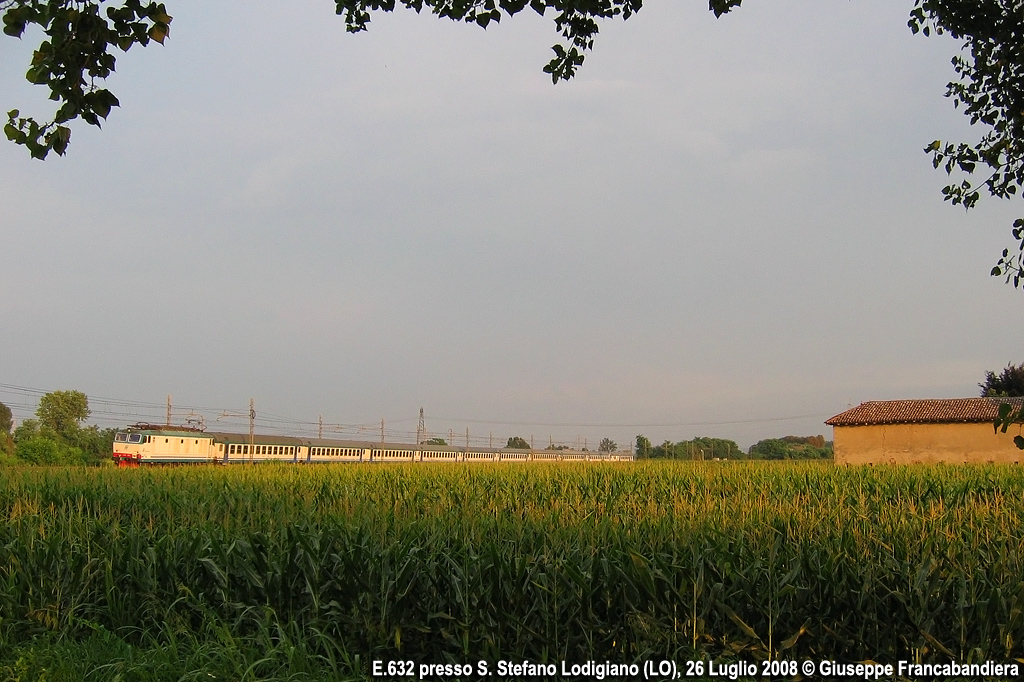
(517, 443)
(1008, 383)
(607, 445)
(643, 447)
(63, 411)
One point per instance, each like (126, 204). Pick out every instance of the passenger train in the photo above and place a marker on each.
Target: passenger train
(148, 444)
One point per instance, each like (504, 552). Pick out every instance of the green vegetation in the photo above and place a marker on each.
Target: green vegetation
(63, 412)
(517, 443)
(792, 447)
(1008, 383)
(6, 419)
(436, 441)
(643, 447)
(287, 572)
(6, 439)
(704, 448)
(699, 448)
(57, 436)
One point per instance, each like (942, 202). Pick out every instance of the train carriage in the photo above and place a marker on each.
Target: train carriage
(321, 450)
(237, 447)
(148, 444)
(384, 452)
(440, 453)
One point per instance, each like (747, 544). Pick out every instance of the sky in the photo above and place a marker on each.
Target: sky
(723, 227)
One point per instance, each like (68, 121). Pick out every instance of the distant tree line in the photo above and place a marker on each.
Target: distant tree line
(607, 445)
(56, 436)
(792, 447)
(702, 447)
(788, 447)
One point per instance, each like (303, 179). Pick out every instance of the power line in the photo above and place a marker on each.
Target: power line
(633, 426)
(113, 410)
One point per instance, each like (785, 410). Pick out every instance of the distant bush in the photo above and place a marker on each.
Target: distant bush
(36, 442)
(792, 447)
(41, 450)
(701, 447)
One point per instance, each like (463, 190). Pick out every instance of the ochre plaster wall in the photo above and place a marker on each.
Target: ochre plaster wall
(923, 443)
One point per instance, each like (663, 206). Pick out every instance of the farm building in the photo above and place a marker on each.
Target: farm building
(957, 430)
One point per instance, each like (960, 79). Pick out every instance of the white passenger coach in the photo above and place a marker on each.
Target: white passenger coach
(147, 444)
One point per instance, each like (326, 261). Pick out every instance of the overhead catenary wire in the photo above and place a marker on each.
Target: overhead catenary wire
(112, 412)
(609, 425)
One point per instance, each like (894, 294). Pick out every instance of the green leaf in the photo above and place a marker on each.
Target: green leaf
(13, 134)
(158, 32)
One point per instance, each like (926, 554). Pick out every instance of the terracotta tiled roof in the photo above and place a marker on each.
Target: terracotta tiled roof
(922, 411)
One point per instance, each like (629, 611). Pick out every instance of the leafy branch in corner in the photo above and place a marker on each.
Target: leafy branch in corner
(990, 90)
(80, 36)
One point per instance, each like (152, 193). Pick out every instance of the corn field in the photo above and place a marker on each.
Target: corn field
(344, 564)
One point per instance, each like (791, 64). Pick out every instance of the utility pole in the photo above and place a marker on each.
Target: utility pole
(252, 425)
(490, 439)
(451, 438)
(320, 427)
(467, 437)
(421, 429)
(168, 423)
(531, 441)
(382, 430)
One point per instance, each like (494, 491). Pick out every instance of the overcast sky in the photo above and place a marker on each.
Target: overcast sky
(720, 227)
